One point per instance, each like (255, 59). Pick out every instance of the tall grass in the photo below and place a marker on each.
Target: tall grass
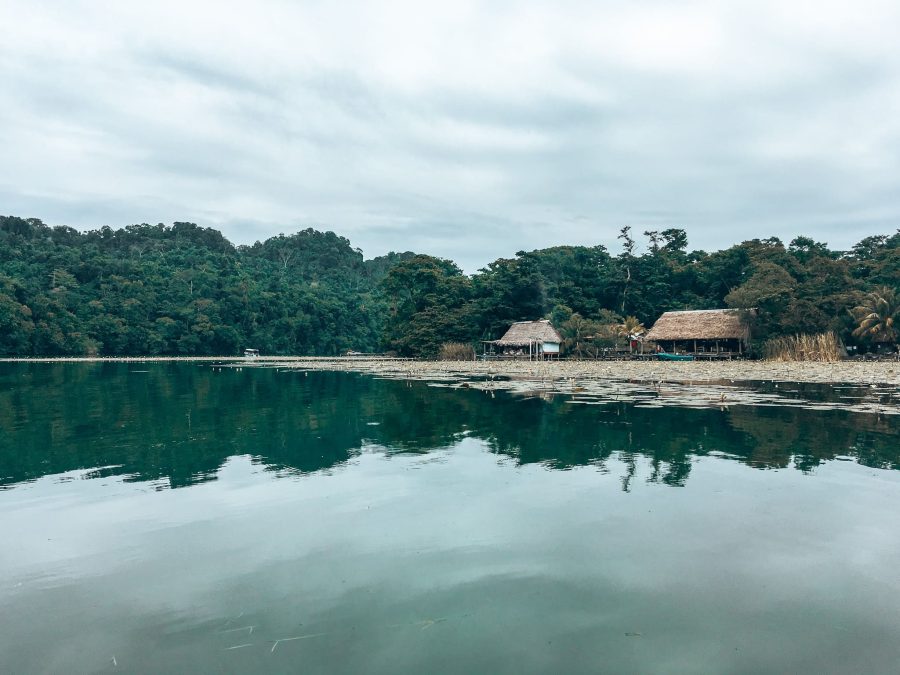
(825, 347)
(456, 351)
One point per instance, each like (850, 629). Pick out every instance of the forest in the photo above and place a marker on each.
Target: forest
(183, 289)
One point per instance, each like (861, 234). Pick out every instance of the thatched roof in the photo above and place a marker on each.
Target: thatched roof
(522, 333)
(700, 324)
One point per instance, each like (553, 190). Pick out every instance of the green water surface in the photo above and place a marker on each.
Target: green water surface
(190, 519)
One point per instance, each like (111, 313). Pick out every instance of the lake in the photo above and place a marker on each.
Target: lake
(179, 517)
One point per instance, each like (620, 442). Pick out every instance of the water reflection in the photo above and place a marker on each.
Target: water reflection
(342, 524)
(177, 424)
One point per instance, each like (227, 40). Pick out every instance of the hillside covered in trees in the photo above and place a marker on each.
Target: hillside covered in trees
(186, 290)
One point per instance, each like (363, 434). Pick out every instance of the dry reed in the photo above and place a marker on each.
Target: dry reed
(824, 347)
(456, 351)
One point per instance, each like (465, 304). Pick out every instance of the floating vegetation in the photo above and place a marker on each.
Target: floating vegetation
(648, 384)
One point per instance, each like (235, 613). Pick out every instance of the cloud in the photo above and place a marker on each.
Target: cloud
(467, 130)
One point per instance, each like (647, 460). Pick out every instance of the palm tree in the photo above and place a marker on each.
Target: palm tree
(577, 333)
(630, 326)
(878, 316)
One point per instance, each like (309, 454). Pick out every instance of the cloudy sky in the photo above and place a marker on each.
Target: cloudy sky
(462, 129)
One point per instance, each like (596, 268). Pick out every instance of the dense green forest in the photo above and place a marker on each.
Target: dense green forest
(185, 289)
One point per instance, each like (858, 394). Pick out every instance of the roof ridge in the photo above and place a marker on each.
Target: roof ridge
(700, 324)
(524, 332)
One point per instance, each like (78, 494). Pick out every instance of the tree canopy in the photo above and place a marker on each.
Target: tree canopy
(184, 289)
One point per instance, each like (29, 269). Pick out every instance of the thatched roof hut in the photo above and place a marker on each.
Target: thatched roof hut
(701, 324)
(523, 333)
(531, 339)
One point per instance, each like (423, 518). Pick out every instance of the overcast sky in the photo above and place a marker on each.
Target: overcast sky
(461, 129)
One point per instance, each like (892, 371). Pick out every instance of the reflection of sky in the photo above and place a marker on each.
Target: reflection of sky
(458, 561)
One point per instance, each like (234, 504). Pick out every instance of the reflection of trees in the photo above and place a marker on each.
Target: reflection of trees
(780, 435)
(774, 435)
(180, 423)
(562, 435)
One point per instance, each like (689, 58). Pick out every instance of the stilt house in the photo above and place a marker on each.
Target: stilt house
(702, 331)
(527, 339)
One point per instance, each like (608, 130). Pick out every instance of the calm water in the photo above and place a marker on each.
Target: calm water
(179, 518)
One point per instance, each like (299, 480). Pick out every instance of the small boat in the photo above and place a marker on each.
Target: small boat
(665, 356)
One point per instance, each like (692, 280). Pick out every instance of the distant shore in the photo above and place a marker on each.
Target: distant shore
(208, 359)
(852, 372)
(143, 359)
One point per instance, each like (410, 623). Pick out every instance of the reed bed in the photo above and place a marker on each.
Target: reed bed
(823, 348)
(456, 351)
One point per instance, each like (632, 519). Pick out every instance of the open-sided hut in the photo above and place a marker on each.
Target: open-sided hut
(527, 339)
(703, 331)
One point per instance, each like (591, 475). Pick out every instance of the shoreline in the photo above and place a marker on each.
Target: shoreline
(161, 359)
(862, 387)
(869, 388)
(844, 372)
(847, 372)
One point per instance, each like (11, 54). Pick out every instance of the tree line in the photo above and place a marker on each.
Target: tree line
(186, 290)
